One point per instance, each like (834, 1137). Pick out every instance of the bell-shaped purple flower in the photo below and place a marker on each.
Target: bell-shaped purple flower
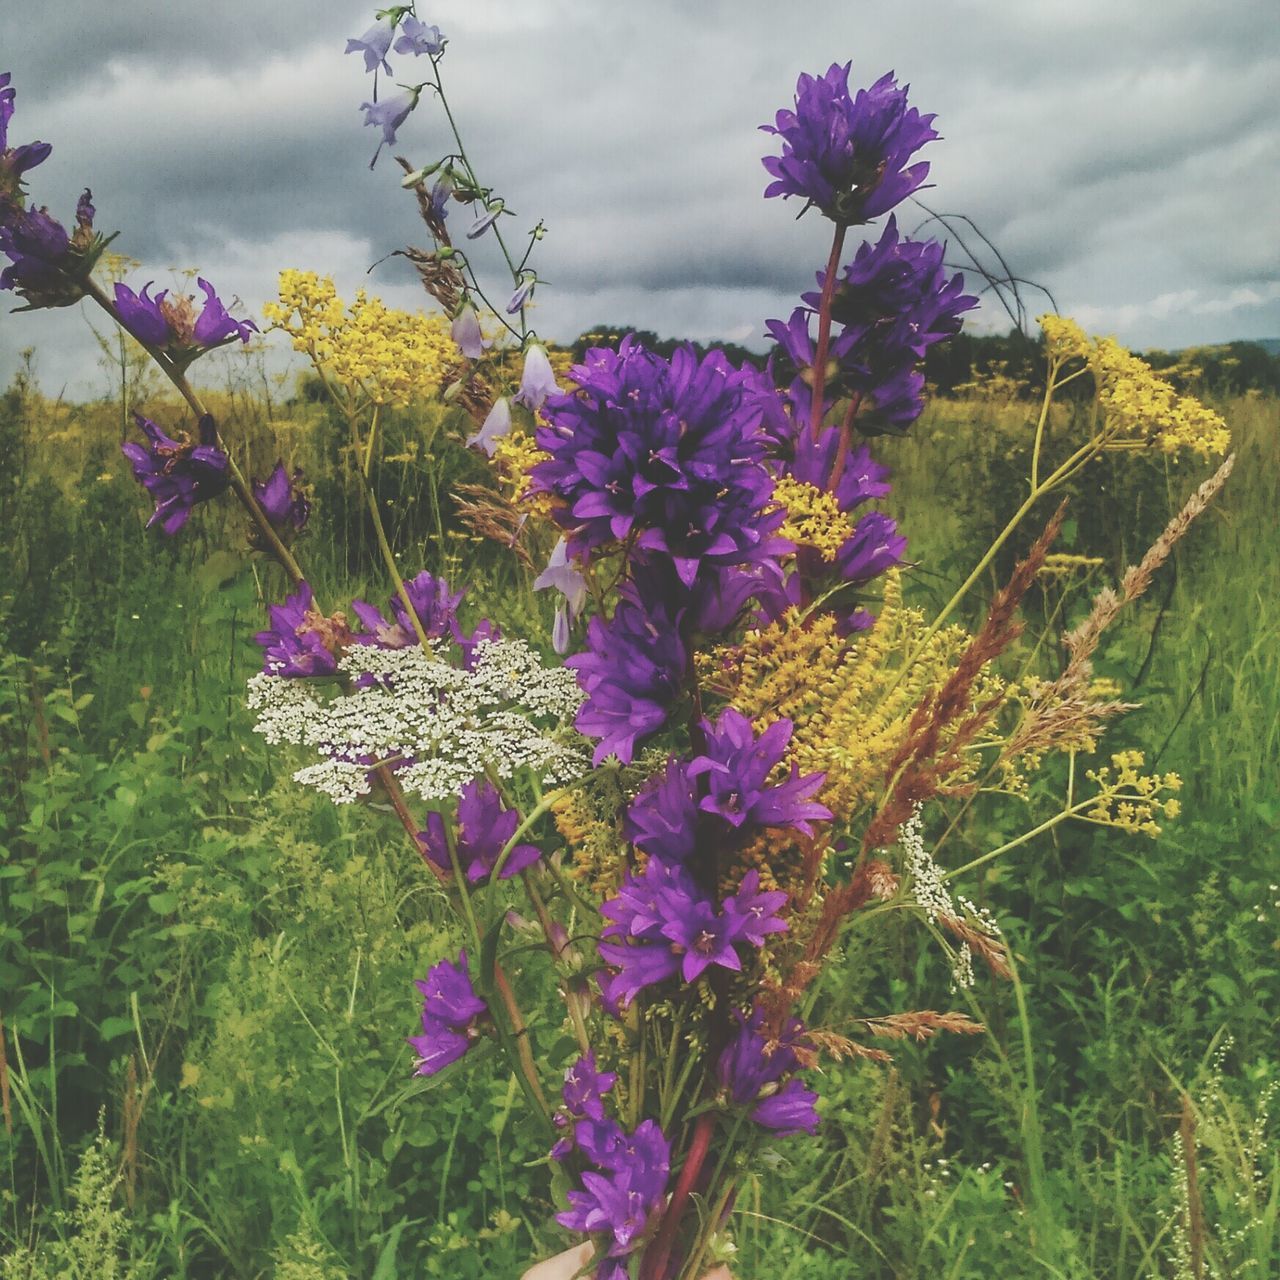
(465, 331)
(736, 765)
(170, 322)
(538, 381)
(418, 38)
(497, 422)
(750, 1065)
(662, 820)
(874, 546)
(300, 640)
(451, 1011)
(177, 473)
(482, 830)
(848, 154)
(283, 499)
(485, 220)
(47, 267)
(375, 45)
(523, 292)
(388, 115)
(791, 1110)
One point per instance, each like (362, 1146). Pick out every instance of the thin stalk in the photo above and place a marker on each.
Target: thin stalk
(824, 328)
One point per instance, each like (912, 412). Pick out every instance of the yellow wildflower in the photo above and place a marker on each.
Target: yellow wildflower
(814, 518)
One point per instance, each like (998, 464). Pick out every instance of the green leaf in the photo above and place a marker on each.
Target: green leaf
(163, 904)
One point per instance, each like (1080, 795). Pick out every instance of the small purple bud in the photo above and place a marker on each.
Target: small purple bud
(485, 220)
(522, 294)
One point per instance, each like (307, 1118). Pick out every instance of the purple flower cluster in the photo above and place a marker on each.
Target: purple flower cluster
(176, 473)
(847, 154)
(754, 1071)
(451, 1011)
(629, 1179)
(666, 456)
(435, 605)
(482, 829)
(171, 324)
(47, 265)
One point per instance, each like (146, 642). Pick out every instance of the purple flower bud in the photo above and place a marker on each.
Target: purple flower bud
(485, 220)
(538, 380)
(374, 44)
(283, 499)
(524, 291)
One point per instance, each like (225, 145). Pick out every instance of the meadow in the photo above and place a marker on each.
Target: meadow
(206, 971)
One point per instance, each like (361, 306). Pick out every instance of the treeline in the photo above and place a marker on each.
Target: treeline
(970, 360)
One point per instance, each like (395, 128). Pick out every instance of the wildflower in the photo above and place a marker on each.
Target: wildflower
(751, 1068)
(790, 1110)
(389, 115)
(176, 473)
(538, 380)
(300, 640)
(631, 672)
(283, 500)
(848, 155)
(434, 604)
(483, 828)
(419, 38)
(170, 321)
(582, 1115)
(622, 1199)
(667, 453)
(485, 220)
(47, 267)
(568, 580)
(450, 1013)
(662, 820)
(465, 331)
(15, 161)
(523, 292)
(375, 44)
(497, 424)
(736, 765)
(874, 546)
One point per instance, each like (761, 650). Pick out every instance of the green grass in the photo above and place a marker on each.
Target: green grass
(219, 964)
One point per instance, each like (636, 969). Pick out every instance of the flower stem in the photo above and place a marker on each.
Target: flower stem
(824, 328)
(658, 1254)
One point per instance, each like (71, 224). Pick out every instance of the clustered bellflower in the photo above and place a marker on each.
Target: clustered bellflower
(451, 1013)
(482, 829)
(847, 154)
(300, 640)
(177, 473)
(758, 1073)
(283, 499)
(170, 322)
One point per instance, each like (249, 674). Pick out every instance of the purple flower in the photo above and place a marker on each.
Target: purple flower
(565, 577)
(483, 828)
(176, 473)
(665, 453)
(703, 937)
(47, 267)
(538, 381)
(790, 1110)
(621, 1201)
(749, 913)
(435, 605)
(662, 820)
(874, 546)
(375, 44)
(300, 640)
(737, 764)
(632, 671)
(585, 1087)
(848, 155)
(497, 423)
(485, 220)
(450, 1012)
(465, 331)
(524, 291)
(860, 478)
(389, 115)
(419, 38)
(171, 323)
(15, 161)
(283, 500)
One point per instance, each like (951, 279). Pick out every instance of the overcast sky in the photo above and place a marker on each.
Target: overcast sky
(1124, 153)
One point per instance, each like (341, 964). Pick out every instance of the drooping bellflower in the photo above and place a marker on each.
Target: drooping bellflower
(538, 380)
(375, 45)
(177, 473)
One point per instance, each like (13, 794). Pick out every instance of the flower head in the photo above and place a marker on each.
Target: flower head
(419, 38)
(300, 640)
(47, 266)
(848, 154)
(170, 322)
(538, 381)
(15, 161)
(434, 604)
(450, 1011)
(666, 453)
(177, 473)
(374, 44)
(283, 499)
(497, 424)
(484, 825)
(388, 115)
(465, 331)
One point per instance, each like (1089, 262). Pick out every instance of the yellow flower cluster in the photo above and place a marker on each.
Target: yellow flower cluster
(847, 698)
(1139, 406)
(371, 350)
(587, 822)
(514, 457)
(1131, 800)
(814, 518)
(1061, 564)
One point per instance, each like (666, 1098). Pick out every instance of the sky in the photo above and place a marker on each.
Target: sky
(1125, 154)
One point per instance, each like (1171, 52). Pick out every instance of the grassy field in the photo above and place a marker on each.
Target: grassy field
(205, 973)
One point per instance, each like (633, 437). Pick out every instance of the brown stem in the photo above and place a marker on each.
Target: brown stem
(824, 328)
(658, 1255)
(846, 434)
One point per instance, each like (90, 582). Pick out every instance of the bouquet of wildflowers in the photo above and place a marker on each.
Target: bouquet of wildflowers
(741, 741)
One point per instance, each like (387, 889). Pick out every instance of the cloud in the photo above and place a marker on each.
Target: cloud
(1114, 153)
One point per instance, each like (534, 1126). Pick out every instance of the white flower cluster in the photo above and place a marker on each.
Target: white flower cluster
(438, 725)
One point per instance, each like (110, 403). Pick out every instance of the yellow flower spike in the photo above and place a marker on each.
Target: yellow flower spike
(814, 518)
